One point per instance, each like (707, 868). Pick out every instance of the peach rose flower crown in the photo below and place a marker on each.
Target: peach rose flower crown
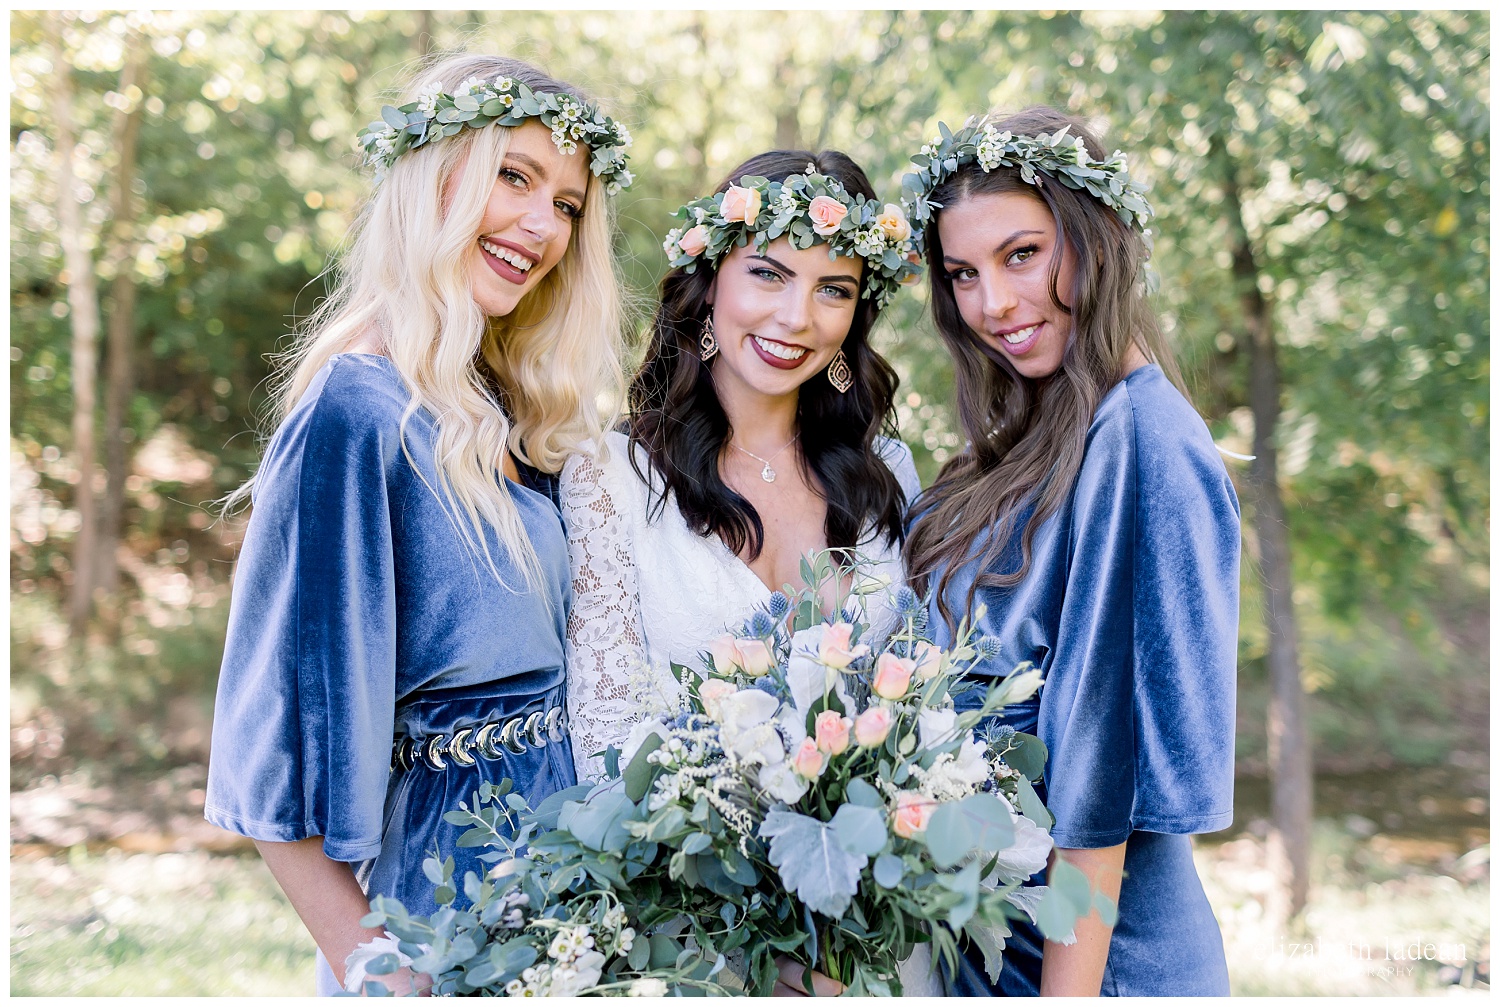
(806, 208)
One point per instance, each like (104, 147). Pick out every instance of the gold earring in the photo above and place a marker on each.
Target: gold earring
(839, 375)
(707, 344)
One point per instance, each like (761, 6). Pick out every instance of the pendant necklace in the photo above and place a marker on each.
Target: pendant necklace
(767, 473)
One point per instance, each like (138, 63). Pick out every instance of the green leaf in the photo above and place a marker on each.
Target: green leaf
(393, 117)
(600, 822)
(697, 842)
(1028, 757)
(859, 792)
(1055, 915)
(1031, 805)
(979, 822)
(1106, 908)
(664, 951)
(1072, 883)
(640, 773)
(889, 870)
(812, 862)
(859, 829)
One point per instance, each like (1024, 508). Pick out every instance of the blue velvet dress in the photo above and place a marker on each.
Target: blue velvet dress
(1131, 612)
(360, 616)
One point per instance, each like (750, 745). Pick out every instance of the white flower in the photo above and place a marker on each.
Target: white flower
(561, 947)
(627, 940)
(1026, 854)
(360, 958)
(468, 86)
(807, 677)
(581, 975)
(503, 83)
(936, 727)
(648, 988)
(782, 782)
(567, 146)
(428, 96)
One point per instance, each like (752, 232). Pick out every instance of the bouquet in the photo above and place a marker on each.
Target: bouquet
(813, 793)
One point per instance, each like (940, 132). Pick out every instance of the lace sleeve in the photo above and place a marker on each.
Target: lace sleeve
(605, 645)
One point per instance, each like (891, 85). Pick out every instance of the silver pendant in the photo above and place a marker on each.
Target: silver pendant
(768, 473)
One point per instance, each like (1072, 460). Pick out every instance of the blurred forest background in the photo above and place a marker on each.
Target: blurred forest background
(180, 182)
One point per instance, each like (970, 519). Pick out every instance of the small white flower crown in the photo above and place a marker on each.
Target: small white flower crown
(1058, 155)
(504, 101)
(804, 208)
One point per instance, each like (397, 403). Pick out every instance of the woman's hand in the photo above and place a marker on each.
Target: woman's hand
(1077, 969)
(328, 899)
(790, 982)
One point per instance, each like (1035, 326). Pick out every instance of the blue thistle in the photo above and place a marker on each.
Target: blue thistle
(1004, 732)
(907, 602)
(765, 684)
(919, 620)
(988, 646)
(761, 624)
(779, 605)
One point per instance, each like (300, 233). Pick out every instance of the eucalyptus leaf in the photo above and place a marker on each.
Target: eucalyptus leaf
(639, 774)
(859, 829)
(889, 870)
(857, 791)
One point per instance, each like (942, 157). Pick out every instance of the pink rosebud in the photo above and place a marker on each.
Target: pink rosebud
(725, 654)
(808, 762)
(755, 657)
(929, 659)
(711, 694)
(913, 811)
(834, 649)
(832, 731)
(826, 213)
(893, 222)
(873, 726)
(694, 241)
(892, 676)
(740, 203)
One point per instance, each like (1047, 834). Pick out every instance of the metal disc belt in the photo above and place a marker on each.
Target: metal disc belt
(489, 741)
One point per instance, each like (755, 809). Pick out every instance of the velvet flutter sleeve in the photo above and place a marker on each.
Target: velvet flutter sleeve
(306, 700)
(1138, 709)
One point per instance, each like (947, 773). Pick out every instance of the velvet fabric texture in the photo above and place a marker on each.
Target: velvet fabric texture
(360, 615)
(1131, 612)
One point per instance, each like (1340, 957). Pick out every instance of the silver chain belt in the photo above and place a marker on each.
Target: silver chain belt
(488, 741)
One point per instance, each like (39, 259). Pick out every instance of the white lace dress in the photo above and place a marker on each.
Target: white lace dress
(650, 592)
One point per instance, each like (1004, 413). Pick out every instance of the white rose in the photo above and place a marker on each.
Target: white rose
(782, 782)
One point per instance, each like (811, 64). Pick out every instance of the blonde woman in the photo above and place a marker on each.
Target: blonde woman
(396, 630)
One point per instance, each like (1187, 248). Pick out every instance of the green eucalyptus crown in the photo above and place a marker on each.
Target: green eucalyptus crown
(503, 101)
(806, 208)
(1058, 155)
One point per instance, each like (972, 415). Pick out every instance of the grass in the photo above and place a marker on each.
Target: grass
(175, 924)
(119, 924)
(1371, 898)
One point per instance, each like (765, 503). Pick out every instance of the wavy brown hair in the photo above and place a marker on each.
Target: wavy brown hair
(676, 417)
(1026, 437)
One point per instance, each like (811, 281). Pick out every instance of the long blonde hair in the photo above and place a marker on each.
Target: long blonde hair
(404, 282)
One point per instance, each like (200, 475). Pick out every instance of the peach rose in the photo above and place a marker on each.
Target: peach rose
(740, 203)
(832, 731)
(808, 762)
(913, 811)
(929, 660)
(755, 657)
(892, 676)
(725, 654)
(834, 649)
(826, 213)
(893, 222)
(914, 277)
(711, 693)
(694, 241)
(872, 727)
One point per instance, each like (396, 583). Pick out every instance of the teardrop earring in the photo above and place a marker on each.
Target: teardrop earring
(708, 346)
(839, 375)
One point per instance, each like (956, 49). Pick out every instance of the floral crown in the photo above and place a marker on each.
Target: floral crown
(504, 101)
(1063, 157)
(805, 208)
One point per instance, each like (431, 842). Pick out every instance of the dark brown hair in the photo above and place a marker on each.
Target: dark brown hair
(676, 417)
(1026, 437)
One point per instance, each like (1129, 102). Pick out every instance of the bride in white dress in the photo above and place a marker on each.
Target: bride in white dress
(755, 439)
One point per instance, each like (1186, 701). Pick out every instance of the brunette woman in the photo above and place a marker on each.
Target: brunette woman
(1092, 518)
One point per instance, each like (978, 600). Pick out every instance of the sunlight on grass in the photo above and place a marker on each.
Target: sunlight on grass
(178, 924)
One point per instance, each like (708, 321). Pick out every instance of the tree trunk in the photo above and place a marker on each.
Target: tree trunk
(1289, 846)
(83, 311)
(121, 376)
